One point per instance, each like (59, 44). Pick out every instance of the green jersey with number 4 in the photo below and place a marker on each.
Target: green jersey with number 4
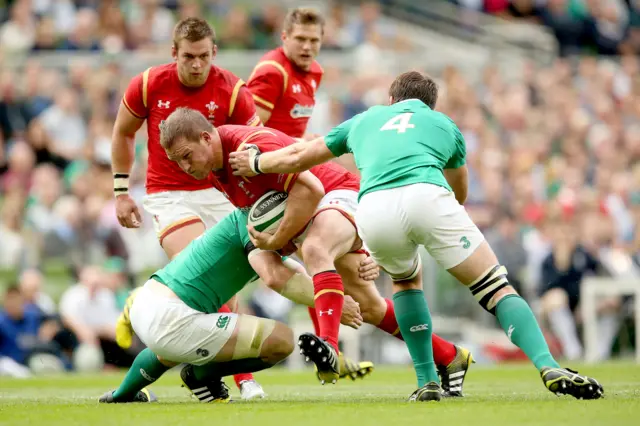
(399, 145)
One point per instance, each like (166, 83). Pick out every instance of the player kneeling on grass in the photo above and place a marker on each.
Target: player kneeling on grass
(412, 195)
(175, 314)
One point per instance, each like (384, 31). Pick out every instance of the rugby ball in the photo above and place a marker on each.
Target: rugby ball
(266, 214)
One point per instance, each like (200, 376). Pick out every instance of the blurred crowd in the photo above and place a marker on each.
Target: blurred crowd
(111, 26)
(605, 27)
(553, 159)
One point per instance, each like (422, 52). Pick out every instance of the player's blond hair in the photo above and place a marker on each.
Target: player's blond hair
(192, 29)
(303, 16)
(183, 124)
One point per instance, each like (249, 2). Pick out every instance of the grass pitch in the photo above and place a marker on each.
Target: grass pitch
(508, 395)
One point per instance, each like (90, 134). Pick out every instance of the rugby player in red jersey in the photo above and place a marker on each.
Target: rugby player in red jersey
(182, 207)
(283, 85)
(203, 151)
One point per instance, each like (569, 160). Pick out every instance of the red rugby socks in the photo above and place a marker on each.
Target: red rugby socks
(329, 297)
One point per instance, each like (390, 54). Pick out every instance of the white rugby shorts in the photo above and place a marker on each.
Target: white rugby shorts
(176, 332)
(172, 210)
(394, 222)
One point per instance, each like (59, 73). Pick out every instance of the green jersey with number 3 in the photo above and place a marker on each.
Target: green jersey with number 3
(399, 145)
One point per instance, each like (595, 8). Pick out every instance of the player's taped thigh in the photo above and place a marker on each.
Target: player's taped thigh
(252, 333)
(490, 282)
(411, 274)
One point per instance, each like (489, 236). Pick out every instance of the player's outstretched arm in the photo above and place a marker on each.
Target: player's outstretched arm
(297, 157)
(302, 202)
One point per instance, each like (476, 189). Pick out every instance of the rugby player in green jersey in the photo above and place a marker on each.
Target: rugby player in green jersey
(412, 161)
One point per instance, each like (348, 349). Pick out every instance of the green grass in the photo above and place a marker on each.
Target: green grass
(510, 394)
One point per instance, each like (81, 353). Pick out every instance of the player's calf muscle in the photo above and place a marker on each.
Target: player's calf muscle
(372, 306)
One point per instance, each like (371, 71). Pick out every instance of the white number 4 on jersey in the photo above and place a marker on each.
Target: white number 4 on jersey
(399, 123)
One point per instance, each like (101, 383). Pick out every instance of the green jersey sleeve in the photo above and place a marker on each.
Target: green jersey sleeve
(459, 157)
(336, 139)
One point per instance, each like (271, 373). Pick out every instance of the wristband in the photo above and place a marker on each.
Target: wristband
(255, 168)
(120, 183)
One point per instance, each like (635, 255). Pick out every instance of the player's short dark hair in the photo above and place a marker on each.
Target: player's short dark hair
(192, 29)
(303, 16)
(414, 85)
(183, 123)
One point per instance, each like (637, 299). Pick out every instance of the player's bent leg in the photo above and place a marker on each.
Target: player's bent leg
(255, 344)
(451, 361)
(330, 236)
(146, 369)
(487, 281)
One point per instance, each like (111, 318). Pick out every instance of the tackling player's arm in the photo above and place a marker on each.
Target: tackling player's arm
(294, 158)
(131, 114)
(455, 171)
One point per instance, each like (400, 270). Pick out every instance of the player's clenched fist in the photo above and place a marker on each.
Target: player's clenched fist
(351, 316)
(127, 212)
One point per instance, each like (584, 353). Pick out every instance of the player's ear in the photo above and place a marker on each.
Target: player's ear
(214, 51)
(174, 52)
(205, 136)
(390, 100)
(283, 35)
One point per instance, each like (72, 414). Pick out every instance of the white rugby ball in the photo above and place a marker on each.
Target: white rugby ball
(266, 214)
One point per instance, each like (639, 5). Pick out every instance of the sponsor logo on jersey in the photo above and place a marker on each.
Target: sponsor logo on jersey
(296, 88)
(314, 84)
(301, 111)
(421, 327)
(164, 104)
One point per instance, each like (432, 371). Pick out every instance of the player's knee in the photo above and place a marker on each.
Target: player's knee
(491, 287)
(276, 276)
(279, 344)
(554, 299)
(316, 255)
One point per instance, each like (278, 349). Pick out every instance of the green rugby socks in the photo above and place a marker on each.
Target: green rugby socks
(414, 320)
(517, 320)
(146, 369)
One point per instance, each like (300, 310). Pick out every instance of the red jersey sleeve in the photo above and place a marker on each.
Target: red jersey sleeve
(242, 109)
(135, 97)
(267, 83)
(266, 141)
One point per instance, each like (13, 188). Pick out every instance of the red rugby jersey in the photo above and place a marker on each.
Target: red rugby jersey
(243, 192)
(288, 92)
(157, 92)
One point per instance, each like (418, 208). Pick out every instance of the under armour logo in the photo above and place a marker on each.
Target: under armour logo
(421, 327)
(202, 352)
(164, 104)
(296, 88)
(328, 312)
(510, 331)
